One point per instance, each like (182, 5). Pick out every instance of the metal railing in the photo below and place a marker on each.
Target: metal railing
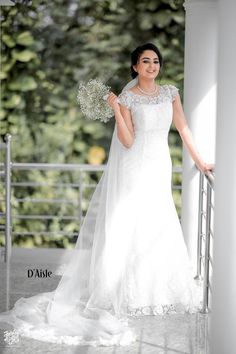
(205, 234)
(81, 168)
(5, 174)
(75, 203)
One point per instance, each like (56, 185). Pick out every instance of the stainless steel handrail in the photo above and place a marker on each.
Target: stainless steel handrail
(204, 257)
(81, 168)
(6, 174)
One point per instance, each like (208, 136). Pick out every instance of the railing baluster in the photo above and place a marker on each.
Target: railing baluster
(205, 213)
(80, 196)
(200, 231)
(8, 241)
(206, 284)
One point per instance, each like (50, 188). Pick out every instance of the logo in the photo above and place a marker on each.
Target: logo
(11, 337)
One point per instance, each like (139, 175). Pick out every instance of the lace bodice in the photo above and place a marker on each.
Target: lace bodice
(130, 99)
(151, 113)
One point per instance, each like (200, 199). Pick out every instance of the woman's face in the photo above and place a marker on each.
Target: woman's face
(148, 65)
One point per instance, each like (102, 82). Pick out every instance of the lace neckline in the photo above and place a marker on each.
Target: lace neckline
(156, 95)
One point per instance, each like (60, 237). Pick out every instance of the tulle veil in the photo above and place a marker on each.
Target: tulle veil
(69, 314)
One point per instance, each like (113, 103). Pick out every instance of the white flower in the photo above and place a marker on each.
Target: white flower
(92, 100)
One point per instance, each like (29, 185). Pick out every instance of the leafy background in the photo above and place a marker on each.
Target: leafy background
(47, 48)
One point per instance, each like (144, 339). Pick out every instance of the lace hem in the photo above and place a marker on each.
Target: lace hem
(121, 339)
(162, 310)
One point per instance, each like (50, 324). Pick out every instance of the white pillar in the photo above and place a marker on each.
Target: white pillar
(223, 317)
(199, 106)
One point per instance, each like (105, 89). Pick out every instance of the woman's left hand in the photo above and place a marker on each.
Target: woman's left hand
(206, 167)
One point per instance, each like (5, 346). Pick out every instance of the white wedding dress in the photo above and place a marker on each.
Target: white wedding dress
(130, 258)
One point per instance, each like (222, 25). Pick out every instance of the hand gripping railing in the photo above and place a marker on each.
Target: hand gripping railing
(6, 175)
(205, 217)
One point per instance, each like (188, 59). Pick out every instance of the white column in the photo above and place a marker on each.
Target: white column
(223, 317)
(199, 106)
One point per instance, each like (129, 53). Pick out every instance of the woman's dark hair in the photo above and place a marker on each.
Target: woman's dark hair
(135, 55)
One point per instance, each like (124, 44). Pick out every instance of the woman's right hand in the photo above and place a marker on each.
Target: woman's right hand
(112, 100)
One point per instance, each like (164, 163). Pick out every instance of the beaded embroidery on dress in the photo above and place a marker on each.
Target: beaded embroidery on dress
(130, 258)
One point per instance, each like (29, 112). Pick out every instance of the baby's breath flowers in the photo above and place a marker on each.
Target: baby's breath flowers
(92, 98)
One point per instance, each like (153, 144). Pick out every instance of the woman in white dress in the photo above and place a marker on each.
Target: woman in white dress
(130, 258)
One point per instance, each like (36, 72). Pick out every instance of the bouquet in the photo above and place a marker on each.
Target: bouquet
(92, 98)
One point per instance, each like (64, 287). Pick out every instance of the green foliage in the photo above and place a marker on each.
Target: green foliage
(48, 48)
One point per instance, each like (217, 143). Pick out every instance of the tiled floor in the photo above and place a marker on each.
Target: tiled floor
(172, 334)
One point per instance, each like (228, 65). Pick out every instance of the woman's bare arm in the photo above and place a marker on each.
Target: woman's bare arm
(186, 135)
(125, 131)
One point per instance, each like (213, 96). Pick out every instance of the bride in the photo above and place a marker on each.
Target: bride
(130, 259)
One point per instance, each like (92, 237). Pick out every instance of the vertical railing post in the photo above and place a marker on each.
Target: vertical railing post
(207, 251)
(8, 239)
(200, 231)
(80, 196)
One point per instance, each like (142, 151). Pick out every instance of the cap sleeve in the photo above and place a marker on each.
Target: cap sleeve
(173, 91)
(124, 99)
